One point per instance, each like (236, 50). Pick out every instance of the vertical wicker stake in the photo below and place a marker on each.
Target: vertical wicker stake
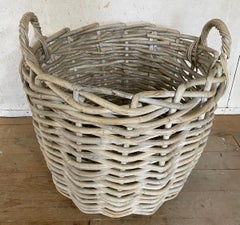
(77, 98)
(122, 112)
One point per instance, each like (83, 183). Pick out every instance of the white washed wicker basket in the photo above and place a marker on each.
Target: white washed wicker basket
(122, 112)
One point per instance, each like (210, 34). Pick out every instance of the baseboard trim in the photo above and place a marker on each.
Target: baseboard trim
(228, 111)
(14, 112)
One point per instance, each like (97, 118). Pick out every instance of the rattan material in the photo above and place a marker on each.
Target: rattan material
(122, 112)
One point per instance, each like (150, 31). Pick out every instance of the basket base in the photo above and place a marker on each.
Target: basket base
(113, 214)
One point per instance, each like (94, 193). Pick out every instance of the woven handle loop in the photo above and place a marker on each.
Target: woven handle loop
(224, 33)
(27, 51)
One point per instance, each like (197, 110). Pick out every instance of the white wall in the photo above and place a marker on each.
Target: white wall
(188, 16)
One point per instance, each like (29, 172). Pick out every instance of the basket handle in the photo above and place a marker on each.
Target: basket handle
(27, 51)
(224, 33)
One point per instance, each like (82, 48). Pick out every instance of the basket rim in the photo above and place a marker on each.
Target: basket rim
(66, 32)
(140, 97)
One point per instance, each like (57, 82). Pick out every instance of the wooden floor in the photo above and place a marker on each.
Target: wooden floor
(211, 195)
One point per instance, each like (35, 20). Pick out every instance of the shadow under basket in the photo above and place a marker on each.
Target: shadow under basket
(122, 112)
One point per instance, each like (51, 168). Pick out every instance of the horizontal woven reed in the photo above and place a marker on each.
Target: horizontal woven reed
(122, 112)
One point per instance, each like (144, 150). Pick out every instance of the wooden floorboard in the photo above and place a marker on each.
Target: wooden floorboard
(237, 139)
(169, 221)
(213, 180)
(85, 222)
(211, 195)
(219, 161)
(15, 120)
(226, 124)
(19, 131)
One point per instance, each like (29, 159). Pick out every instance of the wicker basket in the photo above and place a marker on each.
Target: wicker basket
(122, 112)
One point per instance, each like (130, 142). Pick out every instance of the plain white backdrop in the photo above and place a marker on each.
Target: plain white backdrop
(187, 16)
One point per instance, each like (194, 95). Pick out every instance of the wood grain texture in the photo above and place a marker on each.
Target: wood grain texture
(169, 221)
(156, 221)
(219, 161)
(226, 124)
(15, 120)
(77, 222)
(237, 139)
(213, 180)
(221, 143)
(26, 131)
(217, 204)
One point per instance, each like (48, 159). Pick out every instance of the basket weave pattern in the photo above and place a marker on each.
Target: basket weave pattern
(122, 112)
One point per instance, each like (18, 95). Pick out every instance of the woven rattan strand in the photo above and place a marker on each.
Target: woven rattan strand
(122, 112)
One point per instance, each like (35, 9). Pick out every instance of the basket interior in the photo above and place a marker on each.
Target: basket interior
(131, 59)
